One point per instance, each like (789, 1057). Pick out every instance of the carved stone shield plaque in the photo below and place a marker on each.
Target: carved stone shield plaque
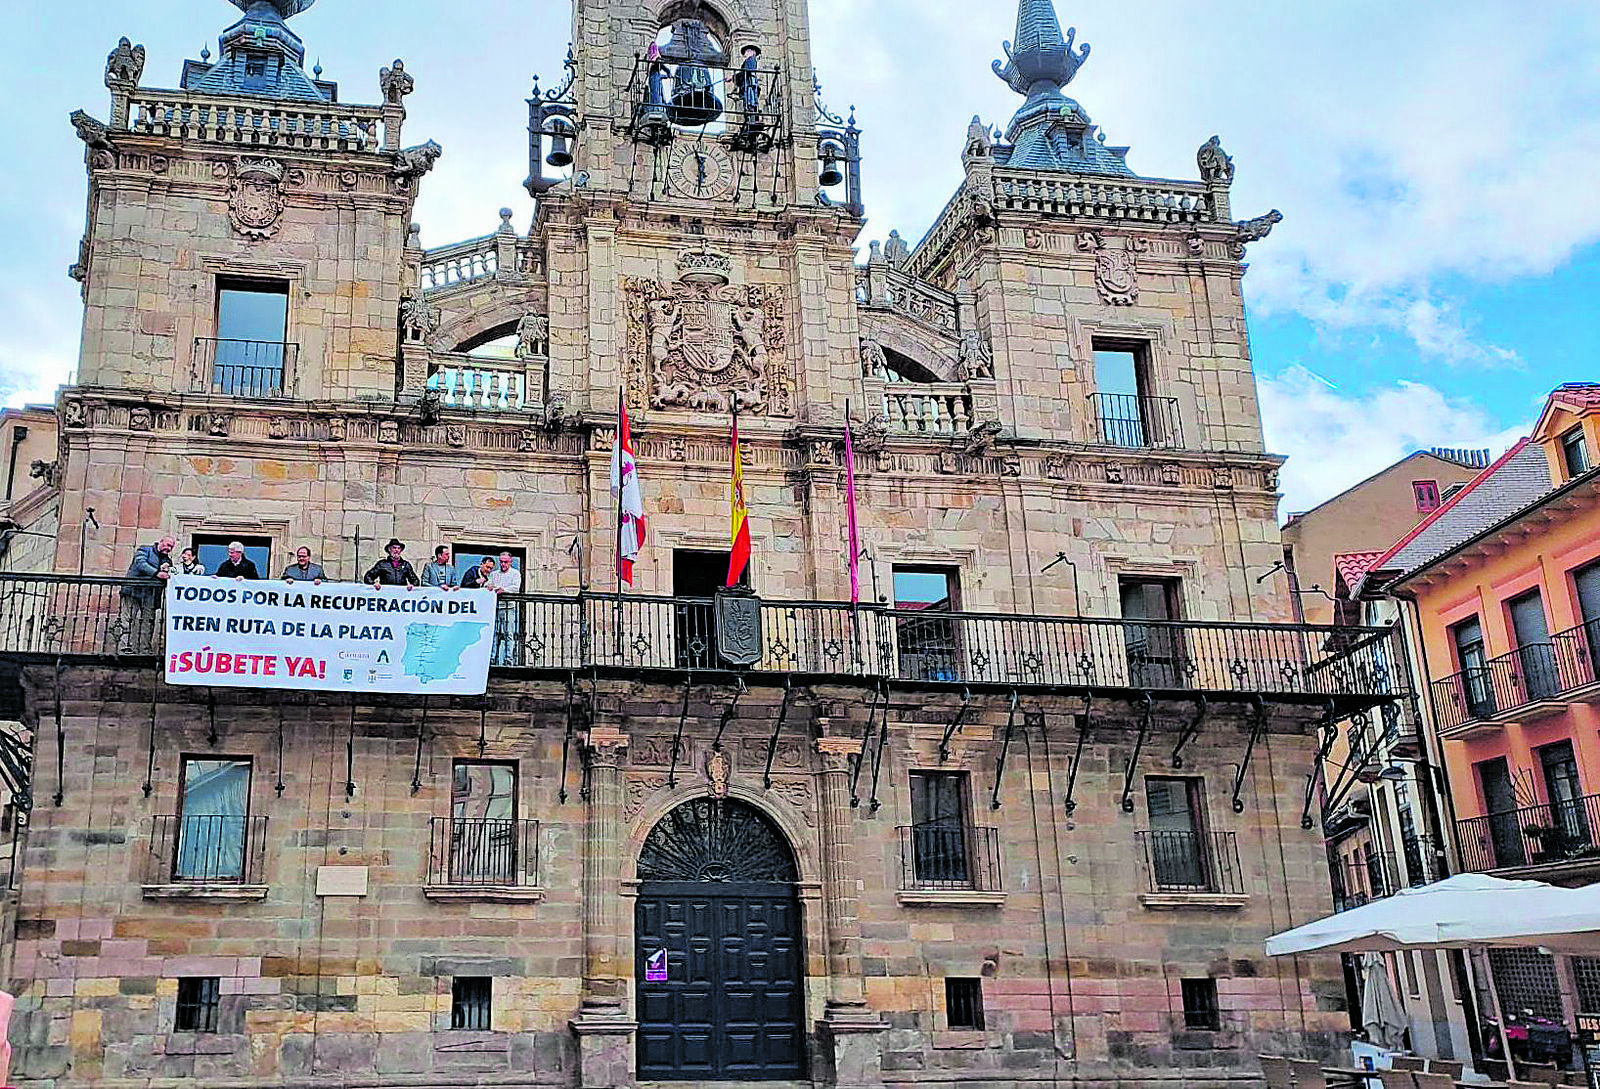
(738, 615)
(255, 201)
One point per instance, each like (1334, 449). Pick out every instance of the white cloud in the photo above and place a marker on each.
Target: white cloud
(1334, 439)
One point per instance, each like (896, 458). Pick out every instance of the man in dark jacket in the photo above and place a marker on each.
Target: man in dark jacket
(477, 578)
(139, 601)
(393, 570)
(237, 566)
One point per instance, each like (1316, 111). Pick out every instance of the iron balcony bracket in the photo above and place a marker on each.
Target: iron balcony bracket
(772, 742)
(881, 690)
(1258, 726)
(1148, 703)
(61, 744)
(483, 727)
(1070, 804)
(349, 753)
(877, 756)
(677, 738)
(1190, 731)
(279, 785)
(566, 744)
(728, 713)
(955, 726)
(1005, 749)
(422, 732)
(211, 709)
(1330, 734)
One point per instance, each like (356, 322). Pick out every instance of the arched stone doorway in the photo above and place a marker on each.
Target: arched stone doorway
(719, 953)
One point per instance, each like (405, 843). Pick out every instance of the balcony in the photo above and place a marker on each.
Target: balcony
(475, 383)
(949, 864)
(1531, 682)
(62, 616)
(206, 858)
(1359, 882)
(1135, 422)
(243, 368)
(1199, 869)
(479, 859)
(1549, 834)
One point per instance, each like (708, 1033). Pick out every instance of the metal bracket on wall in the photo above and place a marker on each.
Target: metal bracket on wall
(1190, 731)
(278, 786)
(1258, 726)
(1330, 734)
(1005, 749)
(728, 713)
(677, 738)
(877, 756)
(211, 709)
(61, 743)
(772, 742)
(422, 732)
(350, 755)
(955, 726)
(1149, 704)
(1084, 719)
(882, 690)
(566, 743)
(483, 726)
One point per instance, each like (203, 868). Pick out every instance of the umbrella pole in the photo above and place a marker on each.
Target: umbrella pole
(1499, 1016)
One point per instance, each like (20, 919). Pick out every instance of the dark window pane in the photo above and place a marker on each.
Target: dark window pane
(939, 833)
(470, 1002)
(1575, 451)
(212, 550)
(198, 999)
(963, 1003)
(1200, 1010)
(215, 806)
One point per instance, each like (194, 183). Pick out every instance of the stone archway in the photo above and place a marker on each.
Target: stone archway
(719, 947)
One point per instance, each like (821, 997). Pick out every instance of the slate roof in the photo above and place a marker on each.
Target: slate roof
(1520, 478)
(264, 38)
(1037, 26)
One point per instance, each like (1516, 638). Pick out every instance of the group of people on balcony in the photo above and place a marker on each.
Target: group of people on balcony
(154, 562)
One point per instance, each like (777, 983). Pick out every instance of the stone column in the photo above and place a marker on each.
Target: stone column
(850, 1031)
(605, 1034)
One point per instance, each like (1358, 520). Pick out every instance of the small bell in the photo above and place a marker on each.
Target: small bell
(560, 143)
(831, 174)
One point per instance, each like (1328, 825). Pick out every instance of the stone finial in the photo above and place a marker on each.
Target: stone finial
(505, 222)
(395, 83)
(125, 64)
(1216, 166)
(1042, 61)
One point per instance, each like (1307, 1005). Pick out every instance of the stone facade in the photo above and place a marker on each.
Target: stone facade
(968, 367)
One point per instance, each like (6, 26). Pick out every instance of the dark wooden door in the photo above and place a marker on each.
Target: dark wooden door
(719, 954)
(731, 1005)
(1535, 657)
(1500, 800)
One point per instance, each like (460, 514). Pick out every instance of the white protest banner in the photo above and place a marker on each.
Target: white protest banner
(337, 637)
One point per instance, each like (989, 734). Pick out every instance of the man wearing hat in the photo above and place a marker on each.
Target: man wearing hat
(392, 570)
(748, 80)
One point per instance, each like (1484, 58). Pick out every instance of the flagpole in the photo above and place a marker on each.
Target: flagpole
(616, 556)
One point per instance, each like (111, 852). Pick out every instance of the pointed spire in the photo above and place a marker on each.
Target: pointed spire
(1041, 62)
(1037, 26)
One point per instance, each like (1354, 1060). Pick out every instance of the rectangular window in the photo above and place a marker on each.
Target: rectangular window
(1535, 653)
(1179, 855)
(697, 575)
(471, 1000)
(198, 999)
(211, 549)
(1200, 1012)
(1128, 414)
(1156, 656)
(483, 823)
(1426, 493)
(1586, 660)
(963, 1004)
(1567, 829)
(923, 599)
(213, 819)
(1472, 659)
(940, 839)
(252, 330)
(1575, 452)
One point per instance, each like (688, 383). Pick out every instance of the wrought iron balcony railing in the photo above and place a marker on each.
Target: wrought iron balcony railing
(206, 849)
(477, 853)
(244, 368)
(1137, 422)
(1361, 881)
(1533, 674)
(1193, 862)
(1535, 835)
(946, 856)
(50, 616)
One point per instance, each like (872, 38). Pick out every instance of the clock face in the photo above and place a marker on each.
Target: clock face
(700, 171)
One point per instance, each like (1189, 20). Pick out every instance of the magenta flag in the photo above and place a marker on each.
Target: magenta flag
(850, 508)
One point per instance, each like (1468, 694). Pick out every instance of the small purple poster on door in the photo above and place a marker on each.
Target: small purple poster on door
(655, 967)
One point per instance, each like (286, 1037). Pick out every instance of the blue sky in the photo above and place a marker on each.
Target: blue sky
(1435, 162)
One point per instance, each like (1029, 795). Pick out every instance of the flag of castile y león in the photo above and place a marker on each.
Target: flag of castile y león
(629, 496)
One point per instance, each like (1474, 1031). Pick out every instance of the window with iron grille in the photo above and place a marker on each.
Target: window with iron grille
(1586, 970)
(198, 999)
(963, 1003)
(470, 1002)
(1200, 1010)
(940, 836)
(1527, 981)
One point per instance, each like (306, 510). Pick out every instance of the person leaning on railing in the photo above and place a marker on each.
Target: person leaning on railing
(303, 570)
(441, 570)
(393, 569)
(139, 601)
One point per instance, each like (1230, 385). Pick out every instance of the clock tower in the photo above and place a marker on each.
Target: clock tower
(700, 200)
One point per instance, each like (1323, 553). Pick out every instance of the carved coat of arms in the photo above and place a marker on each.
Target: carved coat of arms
(1116, 276)
(255, 198)
(707, 346)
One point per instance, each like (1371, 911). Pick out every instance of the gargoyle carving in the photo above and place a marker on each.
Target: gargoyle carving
(413, 162)
(92, 132)
(977, 441)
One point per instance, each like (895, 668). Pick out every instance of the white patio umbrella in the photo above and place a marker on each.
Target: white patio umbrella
(1468, 911)
(1381, 1016)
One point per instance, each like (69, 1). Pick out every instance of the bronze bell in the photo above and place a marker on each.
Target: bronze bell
(560, 133)
(831, 174)
(694, 100)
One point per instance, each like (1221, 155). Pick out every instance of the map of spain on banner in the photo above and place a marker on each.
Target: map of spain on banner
(337, 637)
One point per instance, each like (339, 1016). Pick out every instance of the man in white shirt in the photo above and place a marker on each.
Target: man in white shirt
(506, 579)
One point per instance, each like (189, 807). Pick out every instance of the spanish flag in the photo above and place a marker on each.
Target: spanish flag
(739, 557)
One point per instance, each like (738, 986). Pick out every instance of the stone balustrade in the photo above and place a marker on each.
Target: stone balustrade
(916, 409)
(1103, 198)
(881, 285)
(256, 124)
(488, 385)
(460, 263)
